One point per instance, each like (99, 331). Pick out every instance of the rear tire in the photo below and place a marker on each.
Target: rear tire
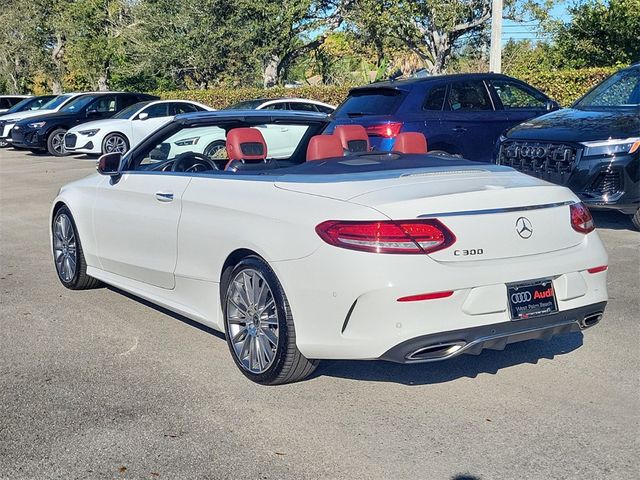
(68, 257)
(55, 143)
(635, 219)
(259, 326)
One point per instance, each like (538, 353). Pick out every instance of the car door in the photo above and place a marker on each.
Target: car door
(469, 116)
(149, 120)
(519, 101)
(135, 222)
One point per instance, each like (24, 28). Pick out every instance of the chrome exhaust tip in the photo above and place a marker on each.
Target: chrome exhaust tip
(436, 351)
(590, 320)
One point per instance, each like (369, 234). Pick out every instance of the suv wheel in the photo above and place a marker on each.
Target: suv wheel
(259, 326)
(635, 219)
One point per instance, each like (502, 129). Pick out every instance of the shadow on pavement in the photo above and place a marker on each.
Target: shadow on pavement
(613, 220)
(489, 361)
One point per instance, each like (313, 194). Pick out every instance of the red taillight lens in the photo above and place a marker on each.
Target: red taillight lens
(581, 219)
(386, 130)
(601, 268)
(403, 236)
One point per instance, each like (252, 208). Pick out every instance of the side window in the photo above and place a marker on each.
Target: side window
(513, 95)
(469, 96)
(435, 98)
(106, 104)
(276, 106)
(178, 108)
(303, 107)
(156, 111)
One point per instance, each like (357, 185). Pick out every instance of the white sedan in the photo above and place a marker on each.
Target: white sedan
(124, 130)
(401, 256)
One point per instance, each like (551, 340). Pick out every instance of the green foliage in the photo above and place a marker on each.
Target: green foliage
(601, 33)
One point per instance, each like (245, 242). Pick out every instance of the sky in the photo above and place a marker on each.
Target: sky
(528, 30)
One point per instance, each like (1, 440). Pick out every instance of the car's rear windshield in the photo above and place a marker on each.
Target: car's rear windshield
(374, 101)
(621, 90)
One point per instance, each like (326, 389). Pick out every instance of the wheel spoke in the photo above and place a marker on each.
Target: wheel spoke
(240, 336)
(269, 335)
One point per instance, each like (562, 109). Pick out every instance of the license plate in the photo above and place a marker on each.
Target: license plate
(531, 299)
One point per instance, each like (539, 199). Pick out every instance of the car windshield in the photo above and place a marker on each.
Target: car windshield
(78, 104)
(21, 105)
(55, 102)
(130, 111)
(621, 90)
(373, 101)
(246, 105)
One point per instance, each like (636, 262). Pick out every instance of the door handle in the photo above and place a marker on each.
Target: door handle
(459, 129)
(284, 129)
(164, 196)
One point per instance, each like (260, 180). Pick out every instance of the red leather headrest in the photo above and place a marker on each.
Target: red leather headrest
(410, 142)
(353, 138)
(324, 146)
(246, 144)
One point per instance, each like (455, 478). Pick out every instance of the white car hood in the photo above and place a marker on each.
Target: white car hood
(25, 114)
(107, 124)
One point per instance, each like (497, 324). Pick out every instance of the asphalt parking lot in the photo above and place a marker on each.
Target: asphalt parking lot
(98, 384)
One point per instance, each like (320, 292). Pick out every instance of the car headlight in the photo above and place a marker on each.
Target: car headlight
(89, 133)
(611, 147)
(187, 141)
(36, 124)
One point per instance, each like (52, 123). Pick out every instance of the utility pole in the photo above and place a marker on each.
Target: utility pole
(495, 54)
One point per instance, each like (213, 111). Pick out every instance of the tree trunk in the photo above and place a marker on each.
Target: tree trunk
(270, 72)
(56, 86)
(57, 55)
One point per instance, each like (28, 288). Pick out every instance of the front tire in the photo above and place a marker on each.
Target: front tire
(55, 143)
(635, 219)
(115, 143)
(259, 325)
(68, 256)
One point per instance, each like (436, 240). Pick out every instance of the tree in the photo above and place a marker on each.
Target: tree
(601, 33)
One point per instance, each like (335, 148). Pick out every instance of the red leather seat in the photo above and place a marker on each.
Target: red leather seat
(245, 145)
(324, 146)
(354, 138)
(410, 142)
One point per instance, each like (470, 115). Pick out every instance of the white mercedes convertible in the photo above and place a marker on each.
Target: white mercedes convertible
(331, 250)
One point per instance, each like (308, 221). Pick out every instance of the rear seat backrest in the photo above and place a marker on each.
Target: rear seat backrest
(324, 146)
(410, 142)
(354, 138)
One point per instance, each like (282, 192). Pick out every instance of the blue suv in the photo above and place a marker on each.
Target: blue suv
(460, 114)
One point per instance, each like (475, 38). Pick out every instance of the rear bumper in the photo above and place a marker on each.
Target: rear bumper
(445, 345)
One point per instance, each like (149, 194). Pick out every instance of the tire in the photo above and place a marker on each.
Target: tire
(115, 143)
(66, 245)
(635, 219)
(215, 148)
(4, 144)
(55, 143)
(274, 321)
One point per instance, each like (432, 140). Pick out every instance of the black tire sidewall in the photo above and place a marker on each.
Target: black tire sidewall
(274, 370)
(212, 144)
(50, 140)
(76, 275)
(114, 134)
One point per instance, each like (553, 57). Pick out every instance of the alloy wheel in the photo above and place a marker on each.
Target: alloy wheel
(57, 142)
(64, 247)
(115, 144)
(252, 321)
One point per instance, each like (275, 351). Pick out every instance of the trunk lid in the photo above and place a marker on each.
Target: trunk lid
(493, 213)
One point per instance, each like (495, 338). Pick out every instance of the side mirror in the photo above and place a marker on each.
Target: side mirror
(109, 164)
(552, 105)
(143, 116)
(92, 112)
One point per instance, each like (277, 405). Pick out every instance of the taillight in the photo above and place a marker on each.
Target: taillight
(581, 219)
(402, 236)
(386, 130)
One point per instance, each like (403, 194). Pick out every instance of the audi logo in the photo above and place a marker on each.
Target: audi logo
(521, 297)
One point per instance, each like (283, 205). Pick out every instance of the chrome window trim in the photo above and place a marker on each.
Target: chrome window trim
(490, 211)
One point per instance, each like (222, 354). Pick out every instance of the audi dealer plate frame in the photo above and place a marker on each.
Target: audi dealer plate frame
(531, 299)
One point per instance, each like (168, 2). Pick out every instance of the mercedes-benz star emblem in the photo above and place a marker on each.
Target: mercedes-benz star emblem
(524, 227)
